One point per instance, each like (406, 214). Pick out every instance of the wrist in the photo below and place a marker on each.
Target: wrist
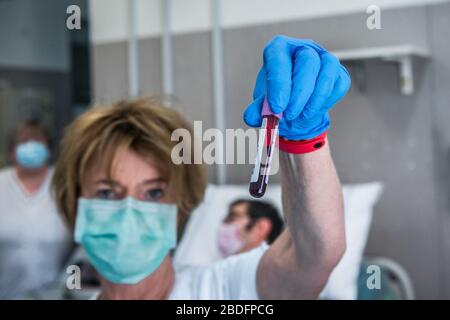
(302, 146)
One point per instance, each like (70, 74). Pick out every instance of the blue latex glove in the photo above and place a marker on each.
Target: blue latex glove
(302, 80)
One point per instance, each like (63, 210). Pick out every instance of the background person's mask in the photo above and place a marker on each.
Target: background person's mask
(125, 240)
(31, 154)
(228, 239)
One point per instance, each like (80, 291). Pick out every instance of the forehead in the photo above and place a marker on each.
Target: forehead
(27, 132)
(239, 209)
(127, 167)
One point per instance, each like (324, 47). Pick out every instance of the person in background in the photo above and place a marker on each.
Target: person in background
(34, 240)
(249, 224)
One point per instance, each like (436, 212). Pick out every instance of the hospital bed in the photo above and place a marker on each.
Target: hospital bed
(395, 281)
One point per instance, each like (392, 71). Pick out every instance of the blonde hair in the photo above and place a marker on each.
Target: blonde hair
(140, 125)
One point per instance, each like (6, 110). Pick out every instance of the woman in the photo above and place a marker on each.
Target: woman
(127, 201)
(33, 239)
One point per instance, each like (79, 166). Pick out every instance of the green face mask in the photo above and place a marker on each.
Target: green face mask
(125, 240)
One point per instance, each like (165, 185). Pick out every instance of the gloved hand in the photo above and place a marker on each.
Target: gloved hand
(302, 80)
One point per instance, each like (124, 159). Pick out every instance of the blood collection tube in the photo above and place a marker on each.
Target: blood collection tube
(268, 135)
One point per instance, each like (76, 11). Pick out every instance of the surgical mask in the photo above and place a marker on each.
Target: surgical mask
(228, 239)
(125, 240)
(32, 154)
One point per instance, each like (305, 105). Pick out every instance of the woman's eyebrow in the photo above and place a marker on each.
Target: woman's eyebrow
(154, 180)
(114, 183)
(106, 181)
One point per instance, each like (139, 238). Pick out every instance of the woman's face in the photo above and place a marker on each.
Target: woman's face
(132, 175)
(25, 134)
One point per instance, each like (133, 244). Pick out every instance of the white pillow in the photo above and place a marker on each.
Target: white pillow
(199, 243)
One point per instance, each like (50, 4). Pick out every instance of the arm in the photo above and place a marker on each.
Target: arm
(299, 262)
(302, 80)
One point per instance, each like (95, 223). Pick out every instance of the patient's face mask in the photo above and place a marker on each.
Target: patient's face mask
(32, 154)
(125, 240)
(229, 241)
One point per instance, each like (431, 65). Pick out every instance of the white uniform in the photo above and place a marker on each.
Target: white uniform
(233, 278)
(33, 238)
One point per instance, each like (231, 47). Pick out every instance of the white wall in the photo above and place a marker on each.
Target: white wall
(109, 18)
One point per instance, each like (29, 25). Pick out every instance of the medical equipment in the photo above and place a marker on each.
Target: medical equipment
(268, 135)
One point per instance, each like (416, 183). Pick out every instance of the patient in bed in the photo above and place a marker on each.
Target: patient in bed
(248, 224)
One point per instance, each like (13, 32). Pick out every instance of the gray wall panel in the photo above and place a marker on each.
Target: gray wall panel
(110, 73)
(382, 136)
(150, 66)
(193, 79)
(439, 27)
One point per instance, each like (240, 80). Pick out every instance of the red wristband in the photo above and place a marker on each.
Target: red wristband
(302, 146)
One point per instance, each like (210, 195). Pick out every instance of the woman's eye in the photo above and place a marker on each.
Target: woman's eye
(106, 194)
(154, 194)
